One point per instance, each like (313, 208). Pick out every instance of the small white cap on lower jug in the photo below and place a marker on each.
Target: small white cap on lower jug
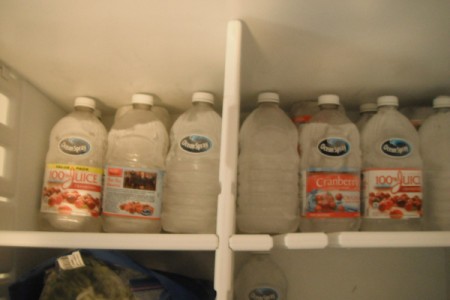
(142, 99)
(85, 102)
(387, 100)
(441, 101)
(203, 97)
(328, 99)
(269, 97)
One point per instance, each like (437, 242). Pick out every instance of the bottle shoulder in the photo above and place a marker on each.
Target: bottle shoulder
(271, 116)
(138, 118)
(330, 116)
(83, 123)
(389, 123)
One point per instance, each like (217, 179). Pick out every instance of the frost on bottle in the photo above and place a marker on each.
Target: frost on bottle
(330, 164)
(435, 149)
(161, 113)
(267, 173)
(73, 175)
(366, 112)
(192, 178)
(134, 170)
(392, 171)
(260, 278)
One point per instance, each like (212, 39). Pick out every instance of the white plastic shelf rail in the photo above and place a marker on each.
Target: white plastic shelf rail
(389, 239)
(120, 241)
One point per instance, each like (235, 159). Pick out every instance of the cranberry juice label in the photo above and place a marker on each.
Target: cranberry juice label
(133, 192)
(72, 190)
(392, 193)
(331, 194)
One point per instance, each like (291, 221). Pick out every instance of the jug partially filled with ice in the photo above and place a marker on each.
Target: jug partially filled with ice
(330, 162)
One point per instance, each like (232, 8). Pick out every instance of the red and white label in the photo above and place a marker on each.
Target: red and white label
(72, 190)
(133, 192)
(331, 194)
(392, 193)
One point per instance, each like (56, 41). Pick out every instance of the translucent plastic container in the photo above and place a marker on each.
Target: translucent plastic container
(392, 171)
(192, 178)
(260, 278)
(330, 163)
(366, 112)
(435, 148)
(134, 171)
(161, 112)
(72, 189)
(267, 170)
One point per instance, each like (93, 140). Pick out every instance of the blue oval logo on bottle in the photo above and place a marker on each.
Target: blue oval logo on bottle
(195, 143)
(334, 147)
(396, 147)
(74, 146)
(263, 293)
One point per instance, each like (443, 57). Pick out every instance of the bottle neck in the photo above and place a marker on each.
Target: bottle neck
(201, 104)
(268, 104)
(328, 107)
(442, 110)
(84, 109)
(367, 113)
(387, 108)
(142, 106)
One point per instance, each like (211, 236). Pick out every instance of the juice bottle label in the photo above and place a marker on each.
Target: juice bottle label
(195, 144)
(74, 146)
(264, 292)
(334, 147)
(72, 190)
(302, 119)
(396, 147)
(392, 193)
(133, 192)
(331, 193)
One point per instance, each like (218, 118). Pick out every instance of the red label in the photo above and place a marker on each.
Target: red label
(72, 190)
(302, 119)
(333, 181)
(115, 172)
(331, 194)
(392, 193)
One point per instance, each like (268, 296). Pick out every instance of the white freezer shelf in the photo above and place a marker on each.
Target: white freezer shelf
(239, 242)
(425, 239)
(265, 242)
(118, 241)
(293, 241)
(301, 241)
(251, 242)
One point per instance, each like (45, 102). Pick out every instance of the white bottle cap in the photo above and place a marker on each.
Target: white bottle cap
(387, 100)
(365, 107)
(203, 97)
(268, 97)
(142, 99)
(441, 101)
(85, 102)
(328, 99)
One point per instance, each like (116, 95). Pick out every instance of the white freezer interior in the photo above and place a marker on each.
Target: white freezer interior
(52, 51)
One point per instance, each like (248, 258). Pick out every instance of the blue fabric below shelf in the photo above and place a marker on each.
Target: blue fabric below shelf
(30, 285)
